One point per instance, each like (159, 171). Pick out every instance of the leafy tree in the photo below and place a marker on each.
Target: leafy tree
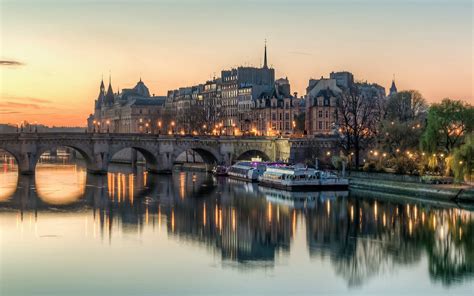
(448, 122)
(463, 159)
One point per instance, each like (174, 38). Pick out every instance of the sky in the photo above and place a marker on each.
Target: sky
(54, 53)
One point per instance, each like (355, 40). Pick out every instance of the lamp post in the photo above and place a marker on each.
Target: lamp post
(108, 126)
(172, 127)
(159, 127)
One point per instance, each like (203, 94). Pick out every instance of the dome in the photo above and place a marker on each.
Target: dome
(141, 89)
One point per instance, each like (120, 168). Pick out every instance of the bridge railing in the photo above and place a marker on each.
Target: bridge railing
(133, 135)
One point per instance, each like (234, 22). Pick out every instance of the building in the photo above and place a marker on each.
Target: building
(323, 97)
(322, 101)
(240, 88)
(133, 110)
(275, 111)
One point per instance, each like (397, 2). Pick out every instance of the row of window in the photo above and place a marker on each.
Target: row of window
(321, 124)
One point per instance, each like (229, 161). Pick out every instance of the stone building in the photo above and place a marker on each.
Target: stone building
(275, 111)
(133, 110)
(321, 106)
(240, 88)
(323, 98)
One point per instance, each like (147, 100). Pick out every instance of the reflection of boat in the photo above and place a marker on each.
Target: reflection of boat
(301, 178)
(220, 170)
(298, 199)
(246, 170)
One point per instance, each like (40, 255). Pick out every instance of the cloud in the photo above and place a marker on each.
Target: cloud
(27, 99)
(10, 63)
(6, 112)
(19, 105)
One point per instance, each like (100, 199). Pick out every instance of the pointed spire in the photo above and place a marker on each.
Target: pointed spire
(109, 97)
(265, 65)
(393, 87)
(102, 86)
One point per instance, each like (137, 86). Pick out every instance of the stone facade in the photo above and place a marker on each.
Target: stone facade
(323, 97)
(130, 111)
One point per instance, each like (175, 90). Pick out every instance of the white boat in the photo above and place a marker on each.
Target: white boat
(247, 171)
(300, 178)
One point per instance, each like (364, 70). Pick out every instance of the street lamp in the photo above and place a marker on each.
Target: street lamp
(108, 126)
(159, 127)
(172, 127)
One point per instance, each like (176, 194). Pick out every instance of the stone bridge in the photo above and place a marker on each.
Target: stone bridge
(160, 152)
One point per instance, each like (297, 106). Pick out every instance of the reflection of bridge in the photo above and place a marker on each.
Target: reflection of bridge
(159, 152)
(364, 238)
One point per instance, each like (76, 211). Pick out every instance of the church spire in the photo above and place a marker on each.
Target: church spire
(109, 97)
(393, 87)
(102, 86)
(265, 65)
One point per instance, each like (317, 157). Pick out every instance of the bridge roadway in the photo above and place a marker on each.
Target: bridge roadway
(159, 151)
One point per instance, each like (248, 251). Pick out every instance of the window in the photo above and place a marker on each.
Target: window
(287, 116)
(320, 113)
(273, 116)
(327, 124)
(320, 123)
(327, 114)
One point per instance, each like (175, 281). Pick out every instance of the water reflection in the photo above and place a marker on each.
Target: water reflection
(248, 226)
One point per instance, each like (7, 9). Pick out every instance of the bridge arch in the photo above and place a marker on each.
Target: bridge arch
(151, 159)
(208, 154)
(9, 178)
(252, 153)
(27, 160)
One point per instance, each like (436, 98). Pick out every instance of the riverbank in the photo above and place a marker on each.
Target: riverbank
(410, 186)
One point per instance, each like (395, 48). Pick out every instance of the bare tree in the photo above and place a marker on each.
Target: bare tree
(359, 118)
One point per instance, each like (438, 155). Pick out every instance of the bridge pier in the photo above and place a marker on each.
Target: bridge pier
(27, 163)
(163, 164)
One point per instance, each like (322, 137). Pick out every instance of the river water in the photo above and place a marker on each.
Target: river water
(65, 232)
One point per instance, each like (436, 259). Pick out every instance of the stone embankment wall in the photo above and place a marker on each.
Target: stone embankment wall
(409, 186)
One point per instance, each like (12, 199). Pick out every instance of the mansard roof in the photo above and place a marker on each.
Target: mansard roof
(326, 93)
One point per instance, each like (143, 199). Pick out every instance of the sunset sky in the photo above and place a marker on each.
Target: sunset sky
(54, 53)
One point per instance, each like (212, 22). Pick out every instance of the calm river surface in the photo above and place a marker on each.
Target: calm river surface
(64, 232)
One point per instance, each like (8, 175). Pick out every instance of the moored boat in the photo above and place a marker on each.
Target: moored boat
(300, 178)
(247, 170)
(220, 170)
